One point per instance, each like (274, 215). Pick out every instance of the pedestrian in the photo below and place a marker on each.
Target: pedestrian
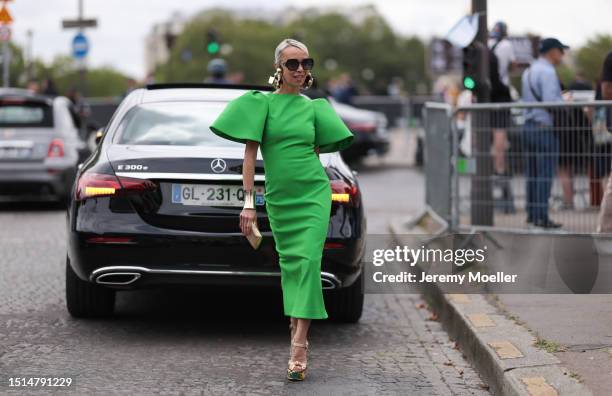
(502, 59)
(601, 151)
(131, 84)
(605, 213)
(291, 129)
(345, 90)
(48, 87)
(33, 87)
(217, 69)
(540, 83)
(575, 142)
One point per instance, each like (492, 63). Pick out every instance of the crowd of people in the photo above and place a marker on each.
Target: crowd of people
(553, 142)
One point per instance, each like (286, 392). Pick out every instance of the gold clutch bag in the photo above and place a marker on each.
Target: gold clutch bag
(254, 237)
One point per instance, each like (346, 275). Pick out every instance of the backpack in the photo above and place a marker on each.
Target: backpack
(499, 91)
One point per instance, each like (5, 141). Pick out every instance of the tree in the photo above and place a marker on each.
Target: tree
(100, 81)
(366, 48)
(590, 57)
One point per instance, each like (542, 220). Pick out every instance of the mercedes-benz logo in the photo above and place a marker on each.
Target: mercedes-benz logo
(218, 165)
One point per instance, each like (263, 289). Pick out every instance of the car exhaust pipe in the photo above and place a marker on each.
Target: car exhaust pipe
(329, 281)
(118, 278)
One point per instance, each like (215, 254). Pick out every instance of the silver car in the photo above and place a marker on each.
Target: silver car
(40, 146)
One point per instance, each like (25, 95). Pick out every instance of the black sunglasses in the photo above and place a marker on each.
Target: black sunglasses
(294, 64)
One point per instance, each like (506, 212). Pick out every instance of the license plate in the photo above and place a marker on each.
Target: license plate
(14, 152)
(213, 194)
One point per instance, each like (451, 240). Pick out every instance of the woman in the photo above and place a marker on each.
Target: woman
(291, 129)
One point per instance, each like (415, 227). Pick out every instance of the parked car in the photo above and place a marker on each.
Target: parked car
(132, 225)
(369, 128)
(39, 146)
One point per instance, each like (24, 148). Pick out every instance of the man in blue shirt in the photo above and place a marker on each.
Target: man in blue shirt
(540, 83)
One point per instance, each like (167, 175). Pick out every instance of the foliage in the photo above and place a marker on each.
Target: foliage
(590, 57)
(368, 49)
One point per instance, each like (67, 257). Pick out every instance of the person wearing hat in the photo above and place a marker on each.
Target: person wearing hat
(540, 83)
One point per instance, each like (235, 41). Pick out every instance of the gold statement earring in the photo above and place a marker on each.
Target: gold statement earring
(310, 80)
(276, 78)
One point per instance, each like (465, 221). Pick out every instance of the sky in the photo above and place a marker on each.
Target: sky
(118, 40)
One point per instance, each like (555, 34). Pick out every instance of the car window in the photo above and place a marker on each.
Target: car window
(17, 113)
(172, 123)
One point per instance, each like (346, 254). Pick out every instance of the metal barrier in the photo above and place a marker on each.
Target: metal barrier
(520, 167)
(437, 154)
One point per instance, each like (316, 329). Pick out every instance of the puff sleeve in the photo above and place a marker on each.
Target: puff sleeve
(331, 134)
(243, 118)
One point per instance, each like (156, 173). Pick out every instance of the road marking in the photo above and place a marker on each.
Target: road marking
(505, 349)
(459, 298)
(481, 320)
(537, 386)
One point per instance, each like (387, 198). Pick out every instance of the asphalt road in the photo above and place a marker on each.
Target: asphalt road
(224, 341)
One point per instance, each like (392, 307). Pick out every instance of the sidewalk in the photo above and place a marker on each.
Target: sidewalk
(526, 344)
(575, 328)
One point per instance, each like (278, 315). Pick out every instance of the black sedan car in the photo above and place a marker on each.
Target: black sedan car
(158, 203)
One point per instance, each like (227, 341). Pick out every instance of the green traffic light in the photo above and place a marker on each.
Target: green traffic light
(469, 83)
(213, 48)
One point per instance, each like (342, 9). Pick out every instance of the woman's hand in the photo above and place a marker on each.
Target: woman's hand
(247, 216)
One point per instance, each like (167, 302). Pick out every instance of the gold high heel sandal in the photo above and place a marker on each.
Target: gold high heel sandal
(292, 373)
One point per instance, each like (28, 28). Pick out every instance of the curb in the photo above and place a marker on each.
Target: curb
(501, 350)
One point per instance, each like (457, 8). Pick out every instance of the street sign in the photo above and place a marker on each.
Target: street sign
(79, 23)
(80, 46)
(5, 33)
(5, 16)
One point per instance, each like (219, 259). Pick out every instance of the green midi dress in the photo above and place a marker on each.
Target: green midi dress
(297, 189)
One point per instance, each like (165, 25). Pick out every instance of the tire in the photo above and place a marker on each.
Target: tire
(85, 299)
(345, 305)
(64, 201)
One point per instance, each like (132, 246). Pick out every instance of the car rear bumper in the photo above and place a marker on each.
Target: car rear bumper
(128, 277)
(19, 180)
(157, 260)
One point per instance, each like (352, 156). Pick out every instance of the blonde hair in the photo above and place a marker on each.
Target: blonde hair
(287, 43)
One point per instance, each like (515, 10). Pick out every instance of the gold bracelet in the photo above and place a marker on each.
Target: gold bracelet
(248, 200)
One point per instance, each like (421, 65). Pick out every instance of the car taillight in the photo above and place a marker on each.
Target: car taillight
(93, 184)
(343, 192)
(361, 126)
(56, 148)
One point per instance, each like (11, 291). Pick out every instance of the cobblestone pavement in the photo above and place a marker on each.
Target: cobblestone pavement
(194, 342)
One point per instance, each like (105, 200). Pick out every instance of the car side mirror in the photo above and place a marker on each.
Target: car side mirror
(99, 134)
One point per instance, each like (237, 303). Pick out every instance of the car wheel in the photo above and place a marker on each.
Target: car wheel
(346, 304)
(85, 299)
(64, 201)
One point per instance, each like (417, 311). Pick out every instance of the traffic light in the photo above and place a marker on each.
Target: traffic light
(213, 45)
(473, 72)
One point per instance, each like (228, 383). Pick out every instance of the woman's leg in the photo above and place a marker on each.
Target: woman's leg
(294, 325)
(567, 184)
(301, 334)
